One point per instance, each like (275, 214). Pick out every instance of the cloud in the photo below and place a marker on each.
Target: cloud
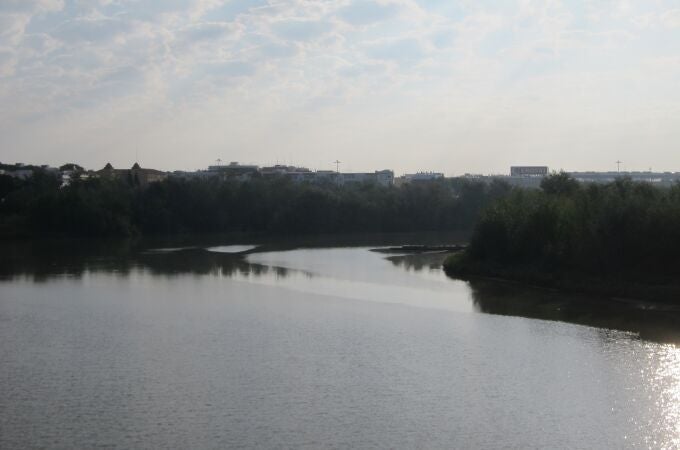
(230, 69)
(301, 30)
(91, 29)
(209, 31)
(671, 18)
(366, 12)
(275, 51)
(8, 62)
(126, 75)
(12, 27)
(30, 6)
(402, 50)
(480, 68)
(231, 9)
(668, 19)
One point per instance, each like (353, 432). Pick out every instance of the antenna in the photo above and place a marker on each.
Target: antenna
(219, 162)
(337, 165)
(618, 166)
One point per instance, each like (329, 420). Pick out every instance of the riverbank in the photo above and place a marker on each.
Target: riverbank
(644, 290)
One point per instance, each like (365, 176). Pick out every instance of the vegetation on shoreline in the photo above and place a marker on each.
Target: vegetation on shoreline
(618, 239)
(104, 207)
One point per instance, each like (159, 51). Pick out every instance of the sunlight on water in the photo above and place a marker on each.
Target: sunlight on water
(652, 401)
(231, 248)
(667, 376)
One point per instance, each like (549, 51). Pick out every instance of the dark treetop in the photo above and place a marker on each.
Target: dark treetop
(38, 206)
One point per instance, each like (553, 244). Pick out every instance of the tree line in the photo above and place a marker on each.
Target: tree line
(115, 207)
(627, 231)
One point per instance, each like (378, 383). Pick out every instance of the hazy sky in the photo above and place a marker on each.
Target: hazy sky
(452, 86)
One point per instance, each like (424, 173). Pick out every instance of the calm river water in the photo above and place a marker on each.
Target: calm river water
(190, 346)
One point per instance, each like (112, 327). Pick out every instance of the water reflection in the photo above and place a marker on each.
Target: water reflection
(40, 260)
(203, 262)
(40, 263)
(44, 260)
(418, 262)
(507, 299)
(352, 272)
(261, 347)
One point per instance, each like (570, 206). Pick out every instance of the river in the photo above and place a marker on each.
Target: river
(178, 345)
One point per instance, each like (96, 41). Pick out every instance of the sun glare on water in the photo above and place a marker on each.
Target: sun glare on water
(666, 385)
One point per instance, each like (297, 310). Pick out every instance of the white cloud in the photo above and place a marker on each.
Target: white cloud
(370, 78)
(12, 28)
(301, 30)
(91, 29)
(30, 6)
(402, 50)
(8, 62)
(667, 19)
(365, 12)
(209, 31)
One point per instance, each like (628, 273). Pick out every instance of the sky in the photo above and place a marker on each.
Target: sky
(468, 86)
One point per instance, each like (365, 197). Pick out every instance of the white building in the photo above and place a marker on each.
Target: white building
(301, 174)
(658, 178)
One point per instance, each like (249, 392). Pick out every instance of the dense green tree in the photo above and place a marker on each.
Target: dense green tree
(559, 183)
(621, 229)
(7, 185)
(71, 166)
(107, 207)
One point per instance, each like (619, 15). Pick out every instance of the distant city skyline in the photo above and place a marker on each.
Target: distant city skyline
(544, 170)
(407, 85)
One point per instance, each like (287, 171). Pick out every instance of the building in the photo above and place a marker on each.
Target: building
(657, 178)
(283, 170)
(520, 176)
(384, 177)
(529, 171)
(234, 169)
(136, 175)
(381, 177)
(320, 176)
(244, 172)
(302, 174)
(21, 174)
(69, 176)
(418, 177)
